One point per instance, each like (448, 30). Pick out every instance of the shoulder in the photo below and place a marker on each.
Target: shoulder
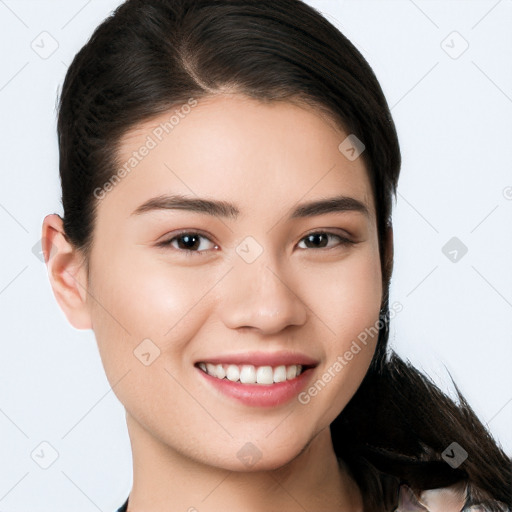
(455, 498)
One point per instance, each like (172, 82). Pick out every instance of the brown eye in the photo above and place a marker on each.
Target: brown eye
(187, 242)
(320, 239)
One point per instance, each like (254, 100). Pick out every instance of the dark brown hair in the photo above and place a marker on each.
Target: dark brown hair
(152, 55)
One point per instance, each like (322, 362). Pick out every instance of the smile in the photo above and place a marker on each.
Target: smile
(255, 386)
(250, 374)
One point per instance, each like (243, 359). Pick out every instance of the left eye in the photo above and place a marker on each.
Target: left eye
(189, 242)
(320, 236)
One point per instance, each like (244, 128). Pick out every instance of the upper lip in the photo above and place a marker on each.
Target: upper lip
(262, 359)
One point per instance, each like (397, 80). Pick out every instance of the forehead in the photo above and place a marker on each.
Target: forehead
(241, 150)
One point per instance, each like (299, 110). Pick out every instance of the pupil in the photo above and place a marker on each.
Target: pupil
(316, 236)
(188, 239)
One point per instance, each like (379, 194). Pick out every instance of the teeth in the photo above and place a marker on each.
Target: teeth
(232, 373)
(219, 371)
(265, 375)
(291, 372)
(280, 374)
(249, 374)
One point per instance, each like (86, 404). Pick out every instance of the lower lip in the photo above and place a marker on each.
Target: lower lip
(261, 395)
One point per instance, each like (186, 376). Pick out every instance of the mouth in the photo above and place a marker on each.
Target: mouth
(257, 379)
(250, 374)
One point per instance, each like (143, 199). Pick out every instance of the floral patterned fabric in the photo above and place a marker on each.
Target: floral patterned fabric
(456, 498)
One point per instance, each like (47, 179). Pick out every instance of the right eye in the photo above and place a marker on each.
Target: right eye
(189, 242)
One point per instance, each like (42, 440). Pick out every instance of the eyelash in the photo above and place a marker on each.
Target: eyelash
(343, 241)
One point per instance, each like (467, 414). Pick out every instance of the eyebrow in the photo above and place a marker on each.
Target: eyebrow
(224, 209)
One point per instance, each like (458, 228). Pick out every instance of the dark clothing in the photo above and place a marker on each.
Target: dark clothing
(123, 508)
(405, 500)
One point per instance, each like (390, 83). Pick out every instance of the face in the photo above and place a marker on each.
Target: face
(170, 287)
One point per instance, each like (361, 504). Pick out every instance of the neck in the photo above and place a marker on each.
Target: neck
(166, 480)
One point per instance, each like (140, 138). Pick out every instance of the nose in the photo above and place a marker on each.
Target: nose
(258, 295)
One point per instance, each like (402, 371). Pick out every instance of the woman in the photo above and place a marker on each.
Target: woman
(227, 173)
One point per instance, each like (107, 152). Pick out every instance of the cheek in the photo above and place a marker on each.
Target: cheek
(149, 313)
(349, 309)
(140, 299)
(351, 295)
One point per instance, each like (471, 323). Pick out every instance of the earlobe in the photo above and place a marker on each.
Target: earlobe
(67, 273)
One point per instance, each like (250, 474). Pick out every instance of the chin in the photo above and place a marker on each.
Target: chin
(254, 456)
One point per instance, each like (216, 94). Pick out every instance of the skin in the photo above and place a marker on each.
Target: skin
(185, 436)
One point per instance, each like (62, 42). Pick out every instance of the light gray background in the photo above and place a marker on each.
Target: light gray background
(453, 118)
